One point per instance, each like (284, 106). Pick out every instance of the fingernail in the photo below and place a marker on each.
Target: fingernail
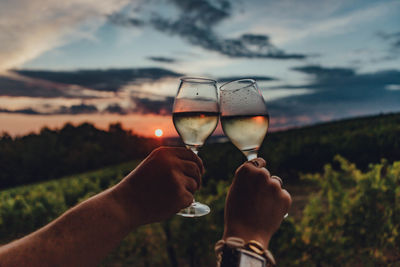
(255, 162)
(278, 178)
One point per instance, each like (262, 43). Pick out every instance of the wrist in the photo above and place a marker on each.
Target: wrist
(129, 215)
(247, 235)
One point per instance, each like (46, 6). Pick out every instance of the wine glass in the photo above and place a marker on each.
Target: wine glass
(244, 115)
(195, 116)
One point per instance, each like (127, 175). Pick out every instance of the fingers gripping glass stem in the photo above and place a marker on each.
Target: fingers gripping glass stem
(195, 116)
(196, 209)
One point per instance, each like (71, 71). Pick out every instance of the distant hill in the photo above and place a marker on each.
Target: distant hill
(75, 149)
(362, 140)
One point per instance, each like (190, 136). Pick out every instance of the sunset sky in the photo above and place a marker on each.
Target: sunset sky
(120, 60)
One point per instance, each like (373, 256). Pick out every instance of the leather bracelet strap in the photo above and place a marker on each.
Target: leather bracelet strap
(252, 245)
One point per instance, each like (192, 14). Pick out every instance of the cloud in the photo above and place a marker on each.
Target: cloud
(289, 21)
(393, 38)
(116, 19)
(245, 46)
(139, 105)
(207, 12)
(116, 109)
(77, 109)
(393, 87)
(337, 93)
(54, 93)
(324, 75)
(161, 106)
(27, 111)
(74, 110)
(108, 80)
(14, 86)
(30, 27)
(196, 22)
(257, 78)
(349, 83)
(162, 59)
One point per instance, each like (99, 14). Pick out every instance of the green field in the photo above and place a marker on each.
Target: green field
(348, 213)
(25, 208)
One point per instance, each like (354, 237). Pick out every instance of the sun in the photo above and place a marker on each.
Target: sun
(158, 132)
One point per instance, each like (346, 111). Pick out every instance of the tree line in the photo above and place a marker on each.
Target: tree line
(72, 149)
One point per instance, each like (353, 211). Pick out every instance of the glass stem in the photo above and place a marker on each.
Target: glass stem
(252, 155)
(193, 148)
(195, 151)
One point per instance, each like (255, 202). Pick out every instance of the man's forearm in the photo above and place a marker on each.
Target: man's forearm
(82, 236)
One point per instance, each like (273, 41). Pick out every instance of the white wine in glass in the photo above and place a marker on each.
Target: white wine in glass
(195, 116)
(195, 127)
(244, 115)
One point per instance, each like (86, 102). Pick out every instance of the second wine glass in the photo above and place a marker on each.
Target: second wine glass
(244, 115)
(195, 116)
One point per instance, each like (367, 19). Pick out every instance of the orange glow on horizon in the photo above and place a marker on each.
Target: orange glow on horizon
(144, 125)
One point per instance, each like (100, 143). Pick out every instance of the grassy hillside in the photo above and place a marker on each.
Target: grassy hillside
(349, 213)
(26, 208)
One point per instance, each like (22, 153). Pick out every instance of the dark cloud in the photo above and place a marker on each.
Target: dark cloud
(74, 109)
(119, 20)
(322, 73)
(162, 59)
(393, 38)
(101, 80)
(146, 105)
(77, 109)
(26, 111)
(347, 84)
(12, 86)
(257, 78)
(338, 93)
(246, 46)
(153, 106)
(52, 84)
(393, 41)
(208, 13)
(196, 22)
(116, 109)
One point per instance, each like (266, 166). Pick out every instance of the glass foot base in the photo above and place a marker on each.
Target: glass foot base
(197, 209)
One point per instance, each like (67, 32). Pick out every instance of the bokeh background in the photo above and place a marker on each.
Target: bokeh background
(84, 84)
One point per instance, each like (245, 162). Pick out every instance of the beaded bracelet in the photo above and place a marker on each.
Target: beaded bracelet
(252, 245)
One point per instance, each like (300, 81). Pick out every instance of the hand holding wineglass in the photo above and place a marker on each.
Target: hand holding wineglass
(255, 204)
(244, 116)
(195, 116)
